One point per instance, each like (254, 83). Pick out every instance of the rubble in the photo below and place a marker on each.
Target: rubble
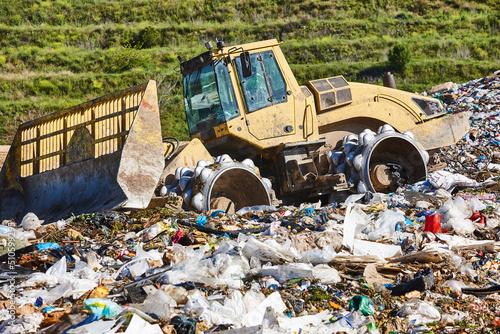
(422, 259)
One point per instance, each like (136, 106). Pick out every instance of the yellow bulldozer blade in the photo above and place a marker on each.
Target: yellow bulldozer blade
(102, 154)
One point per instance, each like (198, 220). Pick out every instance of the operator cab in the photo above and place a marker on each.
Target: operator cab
(210, 93)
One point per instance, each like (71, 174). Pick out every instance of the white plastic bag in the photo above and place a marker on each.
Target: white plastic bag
(31, 222)
(58, 269)
(286, 272)
(253, 298)
(62, 290)
(355, 221)
(419, 312)
(139, 325)
(476, 205)
(385, 225)
(159, 303)
(454, 208)
(231, 312)
(196, 305)
(269, 251)
(326, 274)
(454, 318)
(448, 181)
(454, 285)
(317, 256)
(459, 225)
(254, 317)
(455, 215)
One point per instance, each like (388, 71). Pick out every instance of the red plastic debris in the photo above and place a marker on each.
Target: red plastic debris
(433, 223)
(478, 218)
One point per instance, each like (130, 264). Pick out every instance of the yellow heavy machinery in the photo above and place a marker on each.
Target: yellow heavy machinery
(243, 103)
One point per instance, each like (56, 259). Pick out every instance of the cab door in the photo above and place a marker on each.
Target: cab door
(269, 104)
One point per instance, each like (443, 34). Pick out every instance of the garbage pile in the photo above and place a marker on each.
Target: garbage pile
(423, 259)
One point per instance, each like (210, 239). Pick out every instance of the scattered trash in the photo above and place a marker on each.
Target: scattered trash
(425, 258)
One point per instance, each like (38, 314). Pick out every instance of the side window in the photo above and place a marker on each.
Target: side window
(266, 86)
(274, 77)
(200, 97)
(254, 87)
(226, 91)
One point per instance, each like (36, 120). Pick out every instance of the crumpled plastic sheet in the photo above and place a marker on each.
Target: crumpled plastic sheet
(386, 225)
(17, 234)
(318, 256)
(449, 181)
(24, 324)
(269, 250)
(139, 325)
(419, 312)
(455, 214)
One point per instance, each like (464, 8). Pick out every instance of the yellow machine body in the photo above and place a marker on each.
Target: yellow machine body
(326, 108)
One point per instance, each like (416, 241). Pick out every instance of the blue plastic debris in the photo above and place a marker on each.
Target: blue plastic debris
(48, 245)
(92, 318)
(425, 213)
(309, 211)
(201, 220)
(216, 213)
(39, 302)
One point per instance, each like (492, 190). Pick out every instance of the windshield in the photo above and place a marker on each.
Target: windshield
(209, 97)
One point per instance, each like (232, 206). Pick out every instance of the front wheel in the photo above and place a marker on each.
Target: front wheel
(224, 185)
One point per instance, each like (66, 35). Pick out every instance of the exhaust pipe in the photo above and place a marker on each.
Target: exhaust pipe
(388, 80)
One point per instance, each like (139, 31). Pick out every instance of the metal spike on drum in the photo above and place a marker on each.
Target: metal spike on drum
(236, 181)
(380, 162)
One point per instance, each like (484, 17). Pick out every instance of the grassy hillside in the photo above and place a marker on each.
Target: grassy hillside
(55, 54)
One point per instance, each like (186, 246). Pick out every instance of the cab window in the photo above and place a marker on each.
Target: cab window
(266, 86)
(226, 91)
(275, 77)
(209, 97)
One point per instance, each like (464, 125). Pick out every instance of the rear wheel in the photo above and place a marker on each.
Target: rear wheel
(380, 161)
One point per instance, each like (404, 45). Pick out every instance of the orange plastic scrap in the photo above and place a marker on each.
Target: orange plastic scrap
(335, 305)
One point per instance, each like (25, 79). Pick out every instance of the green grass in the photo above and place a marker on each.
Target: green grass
(59, 53)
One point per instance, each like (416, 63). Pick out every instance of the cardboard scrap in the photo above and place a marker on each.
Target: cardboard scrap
(487, 247)
(420, 257)
(372, 276)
